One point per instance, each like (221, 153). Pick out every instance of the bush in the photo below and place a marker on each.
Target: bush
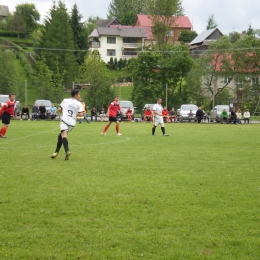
(11, 34)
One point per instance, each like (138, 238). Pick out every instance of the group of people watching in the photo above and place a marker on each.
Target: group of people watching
(235, 116)
(39, 112)
(168, 116)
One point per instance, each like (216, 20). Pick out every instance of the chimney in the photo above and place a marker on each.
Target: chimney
(119, 27)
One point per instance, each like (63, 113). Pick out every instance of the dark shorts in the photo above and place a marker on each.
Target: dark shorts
(113, 119)
(6, 118)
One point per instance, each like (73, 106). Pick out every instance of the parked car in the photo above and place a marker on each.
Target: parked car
(125, 104)
(145, 107)
(46, 103)
(4, 98)
(184, 110)
(216, 112)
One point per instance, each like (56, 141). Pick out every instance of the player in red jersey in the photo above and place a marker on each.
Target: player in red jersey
(148, 115)
(6, 112)
(112, 115)
(129, 114)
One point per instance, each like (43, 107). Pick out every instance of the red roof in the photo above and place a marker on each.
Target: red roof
(180, 21)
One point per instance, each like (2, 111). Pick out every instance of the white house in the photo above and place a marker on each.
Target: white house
(117, 41)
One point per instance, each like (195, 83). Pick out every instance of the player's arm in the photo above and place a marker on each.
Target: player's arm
(122, 112)
(60, 109)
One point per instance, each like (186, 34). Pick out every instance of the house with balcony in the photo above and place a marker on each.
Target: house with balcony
(117, 41)
(4, 11)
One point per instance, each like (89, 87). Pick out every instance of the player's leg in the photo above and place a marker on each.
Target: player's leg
(107, 126)
(163, 128)
(59, 144)
(6, 121)
(155, 124)
(117, 128)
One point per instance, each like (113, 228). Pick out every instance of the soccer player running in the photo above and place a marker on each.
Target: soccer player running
(7, 111)
(158, 117)
(112, 115)
(70, 108)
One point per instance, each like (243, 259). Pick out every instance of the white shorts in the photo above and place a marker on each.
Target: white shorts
(158, 121)
(65, 127)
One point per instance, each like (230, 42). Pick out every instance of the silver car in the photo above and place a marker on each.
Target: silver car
(216, 112)
(184, 110)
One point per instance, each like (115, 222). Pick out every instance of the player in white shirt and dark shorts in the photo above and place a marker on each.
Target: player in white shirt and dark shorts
(158, 117)
(70, 108)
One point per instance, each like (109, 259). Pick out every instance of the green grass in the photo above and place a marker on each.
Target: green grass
(192, 195)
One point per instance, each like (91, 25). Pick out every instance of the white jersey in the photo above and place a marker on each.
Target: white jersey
(70, 109)
(158, 108)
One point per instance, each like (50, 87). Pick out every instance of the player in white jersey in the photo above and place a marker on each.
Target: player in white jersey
(158, 117)
(70, 108)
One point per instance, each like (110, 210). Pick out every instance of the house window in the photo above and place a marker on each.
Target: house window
(111, 40)
(111, 52)
(255, 80)
(129, 40)
(226, 79)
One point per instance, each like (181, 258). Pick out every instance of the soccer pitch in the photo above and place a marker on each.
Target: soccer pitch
(192, 195)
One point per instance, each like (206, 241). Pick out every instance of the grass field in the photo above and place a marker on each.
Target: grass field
(192, 195)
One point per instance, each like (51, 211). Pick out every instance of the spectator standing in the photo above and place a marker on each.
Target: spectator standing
(112, 112)
(199, 114)
(25, 112)
(93, 113)
(246, 116)
(239, 116)
(148, 115)
(233, 116)
(53, 111)
(42, 111)
(102, 114)
(173, 115)
(35, 111)
(85, 113)
(6, 112)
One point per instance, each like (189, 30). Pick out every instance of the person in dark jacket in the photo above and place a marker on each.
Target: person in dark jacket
(199, 114)
(42, 111)
(233, 116)
(25, 112)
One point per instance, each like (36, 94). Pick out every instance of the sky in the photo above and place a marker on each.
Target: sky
(230, 15)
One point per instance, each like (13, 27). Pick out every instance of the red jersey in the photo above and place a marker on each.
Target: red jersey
(8, 107)
(165, 112)
(148, 112)
(113, 108)
(129, 112)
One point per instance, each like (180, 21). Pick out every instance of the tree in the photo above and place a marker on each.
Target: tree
(234, 36)
(56, 43)
(126, 11)
(187, 36)
(30, 16)
(250, 30)
(16, 23)
(161, 14)
(211, 23)
(144, 71)
(8, 79)
(80, 37)
(95, 72)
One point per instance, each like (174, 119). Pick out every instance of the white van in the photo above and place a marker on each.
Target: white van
(125, 104)
(216, 112)
(4, 98)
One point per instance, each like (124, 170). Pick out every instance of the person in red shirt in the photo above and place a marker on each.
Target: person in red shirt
(129, 114)
(6, 112)
(165, 114)
(148, 115)
(112, 115)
